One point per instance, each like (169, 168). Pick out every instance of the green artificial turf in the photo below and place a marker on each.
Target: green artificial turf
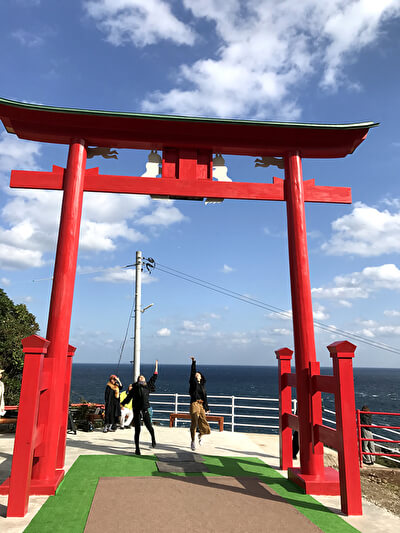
(69, 508)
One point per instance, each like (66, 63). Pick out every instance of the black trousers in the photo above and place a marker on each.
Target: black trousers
(147, 422)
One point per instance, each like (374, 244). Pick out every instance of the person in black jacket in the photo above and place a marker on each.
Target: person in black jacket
(198, 405)
(140, 395)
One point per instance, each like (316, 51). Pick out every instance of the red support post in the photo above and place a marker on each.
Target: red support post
(311, 458)
(342, 354)
(58, 328)
(360, 450)
(18, 486)
(284, 356)
(65, 408)
(316, 407)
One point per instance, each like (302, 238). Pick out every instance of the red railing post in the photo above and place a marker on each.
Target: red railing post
(284, 356)
(342, 354)
(316, 408)
(360, 451)
(65, 408)
(27, 433)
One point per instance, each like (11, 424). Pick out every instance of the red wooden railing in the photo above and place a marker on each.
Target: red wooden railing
(27, 476)
(343, 438)
(371, 427)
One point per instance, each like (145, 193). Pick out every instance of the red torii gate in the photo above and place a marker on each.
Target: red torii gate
(188, 145)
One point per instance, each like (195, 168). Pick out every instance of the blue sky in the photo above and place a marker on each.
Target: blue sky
(308, 61)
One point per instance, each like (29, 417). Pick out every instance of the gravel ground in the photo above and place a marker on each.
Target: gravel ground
(381, 486)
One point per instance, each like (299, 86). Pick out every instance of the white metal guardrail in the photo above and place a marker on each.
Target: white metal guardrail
(238, 411)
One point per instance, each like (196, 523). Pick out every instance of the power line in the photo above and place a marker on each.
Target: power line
(271, 308)
(255, 302)
(126, 335)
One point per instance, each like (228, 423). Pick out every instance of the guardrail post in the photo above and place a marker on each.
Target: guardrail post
(284, 356)
(233, 414)
(342, 354)
(176, 409)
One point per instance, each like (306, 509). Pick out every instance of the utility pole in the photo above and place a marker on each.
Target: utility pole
(138, 304)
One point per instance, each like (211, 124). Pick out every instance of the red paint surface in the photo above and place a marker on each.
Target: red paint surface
(158, 133)
(284, 356)
(61, 305)
(27, 435)
(311, 457)
(195, 184)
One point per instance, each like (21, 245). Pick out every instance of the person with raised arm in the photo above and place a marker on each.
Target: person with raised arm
(198, 405)
(140, 393)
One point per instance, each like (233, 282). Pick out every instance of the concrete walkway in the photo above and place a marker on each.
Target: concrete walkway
(265, 447)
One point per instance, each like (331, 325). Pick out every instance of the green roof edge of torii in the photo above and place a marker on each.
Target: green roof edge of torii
(181, 118)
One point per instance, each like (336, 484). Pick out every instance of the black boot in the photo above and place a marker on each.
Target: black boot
(153, 443)
(137, 451)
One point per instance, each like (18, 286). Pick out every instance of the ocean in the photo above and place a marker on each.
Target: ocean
(376, 387)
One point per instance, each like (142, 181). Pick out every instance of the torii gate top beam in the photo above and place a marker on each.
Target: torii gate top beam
(157, 132)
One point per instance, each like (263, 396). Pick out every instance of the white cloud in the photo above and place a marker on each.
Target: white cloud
(281, 331)
(319, 312)
(26, 38)
(31, 217)
(345, 303)
(197, 329)
(163, 215)
(391, 312)
(360, 284)
(12, 258)
(102, 235)
(164, 332)
(17, 154)
(5, 282)
(366, 231)
(227, 269)
(264, 48)
(141, 23)
(241, 338)
(122, 275)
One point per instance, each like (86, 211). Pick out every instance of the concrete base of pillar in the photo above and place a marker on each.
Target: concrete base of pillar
(38, 487)
(327, 484)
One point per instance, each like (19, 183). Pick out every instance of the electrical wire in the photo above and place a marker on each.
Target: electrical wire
(126, 335)
(252, 301)
(271, 308)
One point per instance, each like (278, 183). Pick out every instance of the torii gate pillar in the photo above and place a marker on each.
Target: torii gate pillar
(59, 321)
(311, 456)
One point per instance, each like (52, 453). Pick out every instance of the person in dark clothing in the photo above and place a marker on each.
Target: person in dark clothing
(295, 444)
(111, 404)
(367, 445)
(141, 404)
(198, 405)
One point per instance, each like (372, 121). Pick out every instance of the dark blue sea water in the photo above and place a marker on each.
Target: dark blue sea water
(379, 388)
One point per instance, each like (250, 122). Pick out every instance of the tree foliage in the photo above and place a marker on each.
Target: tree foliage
(16, 322)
